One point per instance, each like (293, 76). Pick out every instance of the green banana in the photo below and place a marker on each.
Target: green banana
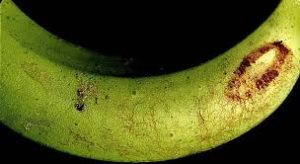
(65, 97)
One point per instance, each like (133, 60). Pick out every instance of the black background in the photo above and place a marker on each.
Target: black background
(169, 35)
(170, 38)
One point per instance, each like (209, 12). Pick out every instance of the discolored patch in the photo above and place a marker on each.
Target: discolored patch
(83, 93)
(252, 77)
(80, 106)
(35, 72)
(42, 126)
(81, 139)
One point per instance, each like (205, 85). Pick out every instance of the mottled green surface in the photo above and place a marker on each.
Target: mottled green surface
(43, 79)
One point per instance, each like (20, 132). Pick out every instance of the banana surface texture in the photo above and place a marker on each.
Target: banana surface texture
(67, 97)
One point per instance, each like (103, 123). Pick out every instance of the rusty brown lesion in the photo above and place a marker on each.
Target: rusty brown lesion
(243, 86)
(83, 93)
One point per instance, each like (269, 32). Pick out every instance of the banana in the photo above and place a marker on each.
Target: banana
(67, 98)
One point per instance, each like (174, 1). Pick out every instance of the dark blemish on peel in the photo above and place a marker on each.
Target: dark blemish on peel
(248, 94)
(171, 134)
(80, 106)
(81, 93)
(282, 48)
(240, 87)
(76, 124)
(85, 91)
(96, 100)
(266, 78)
(242, 68)
(133, 92)
(106, 97)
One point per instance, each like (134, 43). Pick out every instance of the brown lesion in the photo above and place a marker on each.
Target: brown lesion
(80, 138)
(266, 78)
(243, 86)
(35, 72)
(83, 93)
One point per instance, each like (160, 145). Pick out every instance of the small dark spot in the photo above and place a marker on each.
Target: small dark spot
(248, 94)
(171, 134)
(36, 99)
(76, 75)
(69, 84)
(134, 92)
(76, 124)
(80, 106)
(259, 84)
(106, 97)
(188, 77)
(96, 100)
(235, 83)
(225, 73)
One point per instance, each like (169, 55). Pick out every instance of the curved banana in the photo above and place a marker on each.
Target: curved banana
(62, 96)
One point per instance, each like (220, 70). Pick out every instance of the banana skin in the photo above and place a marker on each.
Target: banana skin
(65, 97)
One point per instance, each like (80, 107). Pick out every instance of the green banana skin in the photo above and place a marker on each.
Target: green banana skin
(52, 94)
